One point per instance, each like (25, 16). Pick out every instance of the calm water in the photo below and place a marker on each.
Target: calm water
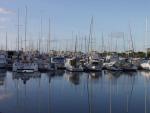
(65, 92)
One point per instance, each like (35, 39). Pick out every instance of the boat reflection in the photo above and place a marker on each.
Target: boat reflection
(73, 77)
(56, 73)
(146, 74)
(130, 74)
(26, 76)
(113, 75)
(95, 75)
(116, 75)
(2, 76)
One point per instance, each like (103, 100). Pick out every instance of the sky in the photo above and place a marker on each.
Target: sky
(71, 18)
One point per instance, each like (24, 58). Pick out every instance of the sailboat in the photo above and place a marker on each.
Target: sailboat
(127, 65)
(146, 62)
(73, 63)
(24, 62)
(58, 62)
(145, 65)
(94, 63)
(112, 63)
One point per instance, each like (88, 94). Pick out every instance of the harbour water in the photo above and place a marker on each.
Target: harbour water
(66, 92)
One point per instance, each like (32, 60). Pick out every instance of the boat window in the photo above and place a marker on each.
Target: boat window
(95, 63)
(73, 62)
(58, 59)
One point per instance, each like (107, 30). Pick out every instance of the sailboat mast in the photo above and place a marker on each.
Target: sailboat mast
(41, 32)
(146, 35)
(76, 44)
(131, 38)
(26, 28)
(91, 33)
(66, 45)
(49, 35)
(85, 45)
(90, 36)
(6, 41)
(102, 43)
(124, 47)
(21, 42)
(39, 43)
(18, 30)
(116, 48)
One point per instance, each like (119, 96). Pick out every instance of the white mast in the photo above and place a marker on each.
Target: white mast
(124, 43)
(90, 36)
(26, 28)
(146, 36)
(102, 42)
(41, 34)
(49, 35)
(131, 38)
(39, 43)
(76, 44)
(85, 45)
(18, 30)
(6, 41)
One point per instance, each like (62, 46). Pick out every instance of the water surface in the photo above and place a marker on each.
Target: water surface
(66, 92)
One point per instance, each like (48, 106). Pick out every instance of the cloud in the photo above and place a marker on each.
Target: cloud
(5, 11)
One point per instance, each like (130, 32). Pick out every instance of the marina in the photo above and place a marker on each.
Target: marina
(74, 56)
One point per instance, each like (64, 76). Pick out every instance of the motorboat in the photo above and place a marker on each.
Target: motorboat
(145, 64)
(127, 65)
(112, 63)
(73, 64)
(44, 65)
(58, 61)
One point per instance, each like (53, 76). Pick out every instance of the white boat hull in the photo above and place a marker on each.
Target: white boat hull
(145, 66)
(25, 67)
(74, 69)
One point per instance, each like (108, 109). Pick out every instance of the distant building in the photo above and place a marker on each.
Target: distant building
(129, 51)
